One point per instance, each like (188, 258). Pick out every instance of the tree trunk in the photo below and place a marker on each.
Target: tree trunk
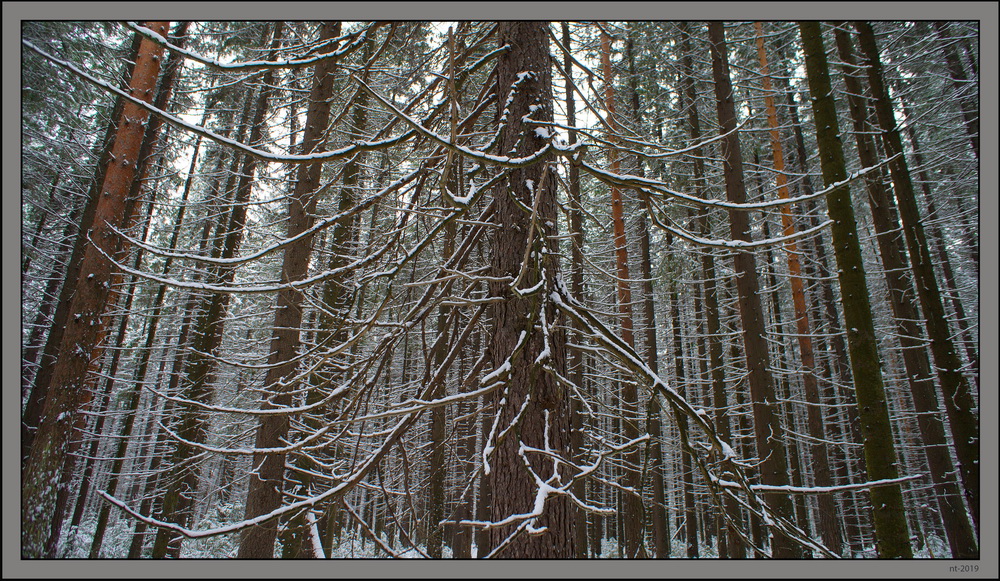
(631, 504)
(199, 368)
(576, 360)
(38, 389)
(524, 362)
(657, 517)
(767, 426)
(960, 401)
(734, 544)
(825, 303)
(170, 71)
(970, 112)
(69, 395)
(267, 482)
(901, 295)
(827, 507)
(687, 466)
(880, 453)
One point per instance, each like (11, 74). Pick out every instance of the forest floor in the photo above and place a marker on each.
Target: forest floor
(76, 545)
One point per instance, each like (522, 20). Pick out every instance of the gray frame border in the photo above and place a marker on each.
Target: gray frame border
(14, 12)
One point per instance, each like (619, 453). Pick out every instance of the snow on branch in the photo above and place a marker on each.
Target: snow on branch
(254, 289)
(319, 226)
(719, 450)
(260, 154)
(501, 160)
(305, 443)
(344, 47)
(735, 244)
(254, 412)
(823, 489)
(656, 187)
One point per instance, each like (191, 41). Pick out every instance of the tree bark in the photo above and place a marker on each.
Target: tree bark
(545, 421)
(632, 505)
(901, 295)
(970, 113)
(69, 394)
(199, 368)
(960, 401)
(267, 481)
(734, 544)
(890, 519)
(170, 71)
(576, 359)
(767, 425)
(38, 388)
(829, 530)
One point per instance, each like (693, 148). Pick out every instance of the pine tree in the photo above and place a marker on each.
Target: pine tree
(70, 394)
(527, 342)
(767, 425)
(890, 520)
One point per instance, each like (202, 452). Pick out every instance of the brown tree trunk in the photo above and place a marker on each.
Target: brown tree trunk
(828, 528)
(267, 481)
(734, 544)
(69, 394)
(687, 466)
(960, 401)
(631, 504)
(199, 368)
(38, 388)
(880, 453)
(901, 296)
(767, 425)
(657, 517)
(170, 71)
(336, 305)
(845, 457)
(576, 358)
(523, 362)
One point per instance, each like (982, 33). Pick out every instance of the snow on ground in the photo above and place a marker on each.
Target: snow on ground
(76, 545)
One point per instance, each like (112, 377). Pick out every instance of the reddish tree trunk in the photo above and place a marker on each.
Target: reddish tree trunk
(827, 507)
(69, 394)
(631, 504)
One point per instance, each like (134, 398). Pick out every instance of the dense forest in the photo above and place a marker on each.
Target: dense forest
(517, 289)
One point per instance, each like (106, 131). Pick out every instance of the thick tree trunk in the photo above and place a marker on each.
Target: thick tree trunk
(38, 388)
(522, 361)
(170, 71)
(69, 394)
(880, 453)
